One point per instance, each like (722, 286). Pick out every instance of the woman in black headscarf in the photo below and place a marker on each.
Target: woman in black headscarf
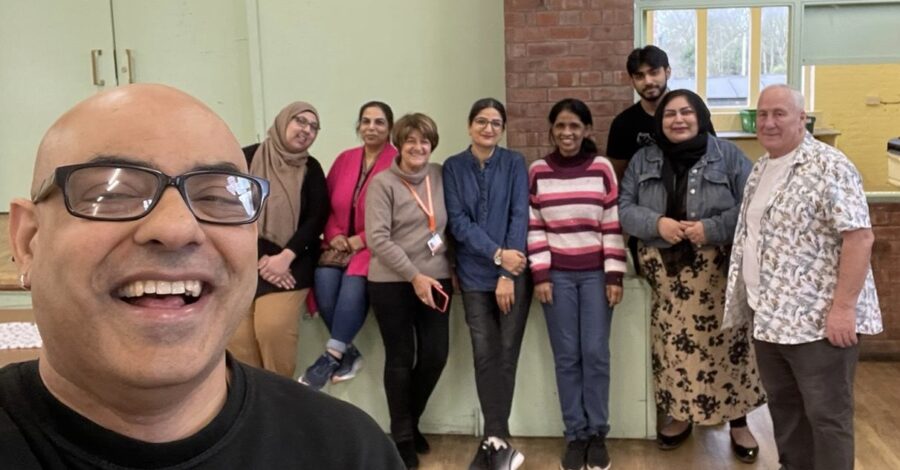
(681, 199)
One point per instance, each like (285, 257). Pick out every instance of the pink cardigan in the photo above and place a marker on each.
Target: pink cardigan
(341, 182)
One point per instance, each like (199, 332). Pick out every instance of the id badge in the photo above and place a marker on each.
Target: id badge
(435, 243)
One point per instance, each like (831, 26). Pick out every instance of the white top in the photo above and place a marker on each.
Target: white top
(799, 248)
(772, 178)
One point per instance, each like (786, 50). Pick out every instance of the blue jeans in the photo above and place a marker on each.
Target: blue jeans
(343, 304)
(578, 322)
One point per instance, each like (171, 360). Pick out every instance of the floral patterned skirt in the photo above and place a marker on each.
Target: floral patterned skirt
(702, 373)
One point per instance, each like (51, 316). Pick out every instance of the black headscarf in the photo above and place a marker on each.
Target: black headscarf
(678, 159)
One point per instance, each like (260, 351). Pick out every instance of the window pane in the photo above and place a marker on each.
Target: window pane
(774, 46)
(728, 56)
(675, 31)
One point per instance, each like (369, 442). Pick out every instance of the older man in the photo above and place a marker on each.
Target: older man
(800, 270)
(139, 247)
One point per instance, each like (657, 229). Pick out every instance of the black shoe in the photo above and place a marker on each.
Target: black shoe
(407, 450)
(482, 460)
(506, 458)
(665, 442)
(575, 456)
(597, 455)
(421, 443)
(744, 454)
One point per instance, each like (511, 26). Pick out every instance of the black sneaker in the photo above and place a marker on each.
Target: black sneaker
(575, 456)
(422, 446)
(320, 372)
(597, 455)
(351, 363)
(407, 452)
(482, 460)
(506, 458)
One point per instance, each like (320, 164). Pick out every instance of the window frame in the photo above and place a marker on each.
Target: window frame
(798, 76)
(795, 73)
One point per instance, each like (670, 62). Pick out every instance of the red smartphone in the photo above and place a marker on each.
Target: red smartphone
(441, 299)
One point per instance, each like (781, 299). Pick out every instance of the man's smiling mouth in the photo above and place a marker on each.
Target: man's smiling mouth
(142, 292)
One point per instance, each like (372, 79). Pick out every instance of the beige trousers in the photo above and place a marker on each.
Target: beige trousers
(267, 336)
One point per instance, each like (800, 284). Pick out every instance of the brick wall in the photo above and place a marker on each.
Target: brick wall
(576, 48)
(559, 49)
(886, 267)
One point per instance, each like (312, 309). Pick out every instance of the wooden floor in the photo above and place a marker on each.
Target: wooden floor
(877, 438)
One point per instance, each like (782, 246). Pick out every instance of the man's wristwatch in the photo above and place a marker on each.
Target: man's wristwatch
(498, 257)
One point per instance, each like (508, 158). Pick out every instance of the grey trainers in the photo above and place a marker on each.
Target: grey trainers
(597, 455)
(351, 363)
(318, 374)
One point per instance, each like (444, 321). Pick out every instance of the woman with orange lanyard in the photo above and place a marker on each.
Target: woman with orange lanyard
(409, 277)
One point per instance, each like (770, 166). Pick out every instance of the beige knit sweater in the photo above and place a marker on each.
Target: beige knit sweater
(397, 229)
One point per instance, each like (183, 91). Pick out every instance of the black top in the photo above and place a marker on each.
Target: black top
(314, 209)
(629, 131)
(267, 422)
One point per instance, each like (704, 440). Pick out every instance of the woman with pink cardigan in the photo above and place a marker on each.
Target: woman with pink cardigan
(340, 279)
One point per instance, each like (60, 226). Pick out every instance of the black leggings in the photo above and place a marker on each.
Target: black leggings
(416, 342)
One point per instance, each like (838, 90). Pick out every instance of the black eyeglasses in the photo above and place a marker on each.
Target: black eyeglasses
(122, 192)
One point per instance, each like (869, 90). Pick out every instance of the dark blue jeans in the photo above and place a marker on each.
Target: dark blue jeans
(496, 342)
(343, 304)
(578, 322)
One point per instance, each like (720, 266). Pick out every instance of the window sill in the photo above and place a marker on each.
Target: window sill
(821, 134)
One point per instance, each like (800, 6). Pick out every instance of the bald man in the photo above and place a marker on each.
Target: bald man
(139, 247)
(800, 271)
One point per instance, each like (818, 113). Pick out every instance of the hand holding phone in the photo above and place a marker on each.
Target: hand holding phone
(430, 292)
(441, 299)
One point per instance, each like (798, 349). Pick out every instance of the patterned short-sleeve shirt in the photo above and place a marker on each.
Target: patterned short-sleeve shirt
(799, 249)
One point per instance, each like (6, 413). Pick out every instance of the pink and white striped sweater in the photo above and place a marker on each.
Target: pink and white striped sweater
(574, 219)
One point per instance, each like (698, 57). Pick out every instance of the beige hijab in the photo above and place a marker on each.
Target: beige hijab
(285, 171)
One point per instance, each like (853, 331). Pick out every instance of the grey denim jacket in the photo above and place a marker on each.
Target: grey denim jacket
(715, 189)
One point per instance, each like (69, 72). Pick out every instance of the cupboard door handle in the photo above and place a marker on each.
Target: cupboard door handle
(130, 58)
(94, 54)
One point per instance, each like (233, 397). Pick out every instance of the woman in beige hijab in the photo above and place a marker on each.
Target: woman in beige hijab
(289, 230)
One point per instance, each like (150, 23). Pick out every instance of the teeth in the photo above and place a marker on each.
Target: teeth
(189, 287)
(192, 288)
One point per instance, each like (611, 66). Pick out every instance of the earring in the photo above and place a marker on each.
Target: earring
(22, 282)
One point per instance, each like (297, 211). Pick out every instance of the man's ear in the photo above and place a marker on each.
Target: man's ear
(668, 73)
(23, 229)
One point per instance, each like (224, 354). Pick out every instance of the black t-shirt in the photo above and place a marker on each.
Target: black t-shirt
(629, 131)
(267, 422)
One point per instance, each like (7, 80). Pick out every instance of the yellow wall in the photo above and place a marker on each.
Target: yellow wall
(841, 92)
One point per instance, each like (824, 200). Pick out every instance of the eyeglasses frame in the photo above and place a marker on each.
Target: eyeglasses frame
(61, 174)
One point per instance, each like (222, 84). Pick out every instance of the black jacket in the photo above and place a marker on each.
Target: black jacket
(314, 210)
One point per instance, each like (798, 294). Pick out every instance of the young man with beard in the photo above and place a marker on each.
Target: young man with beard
(632, 129)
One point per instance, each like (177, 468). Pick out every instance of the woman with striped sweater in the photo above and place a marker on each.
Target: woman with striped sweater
(577, 260)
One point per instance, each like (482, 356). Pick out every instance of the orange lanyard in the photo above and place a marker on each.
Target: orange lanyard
(429, 211)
